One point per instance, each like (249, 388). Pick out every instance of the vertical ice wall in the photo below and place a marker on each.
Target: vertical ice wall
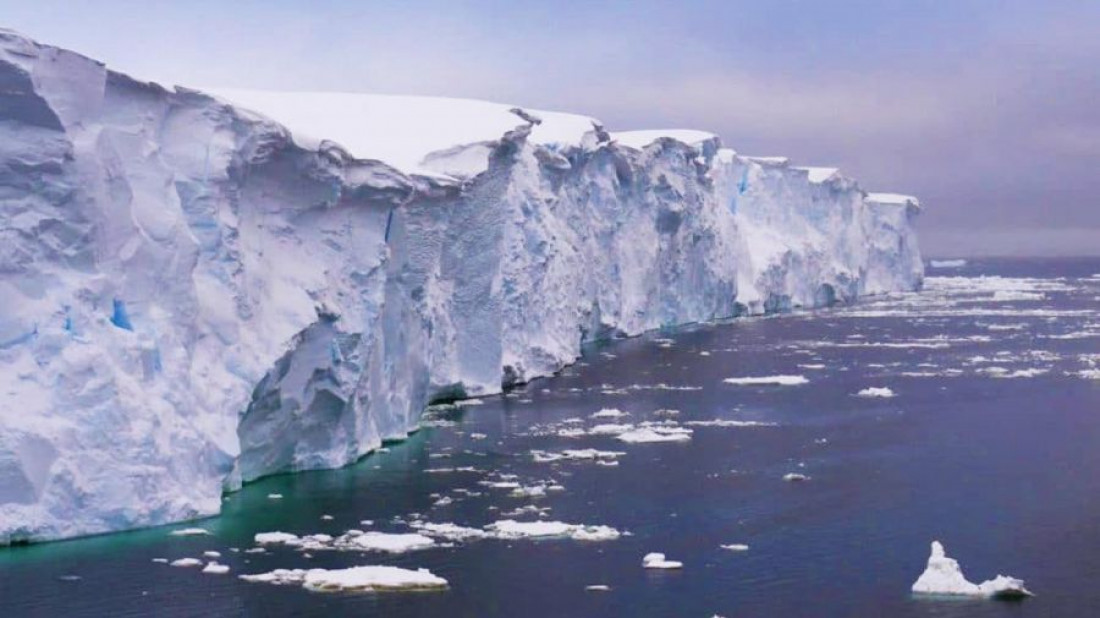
(191, 298)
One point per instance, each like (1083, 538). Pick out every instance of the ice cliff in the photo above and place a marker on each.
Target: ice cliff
(201, 289)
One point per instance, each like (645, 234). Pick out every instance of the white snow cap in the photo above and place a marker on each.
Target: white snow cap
(943, 576)
(407, 132)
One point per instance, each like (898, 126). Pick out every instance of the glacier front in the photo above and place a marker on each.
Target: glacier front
(198, 289)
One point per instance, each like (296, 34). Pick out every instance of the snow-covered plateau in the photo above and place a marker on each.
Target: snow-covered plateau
(198, 289)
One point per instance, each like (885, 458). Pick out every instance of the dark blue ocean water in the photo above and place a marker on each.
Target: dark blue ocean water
(991, 445)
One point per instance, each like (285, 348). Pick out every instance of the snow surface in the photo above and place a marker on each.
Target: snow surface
(200, 291)
(403, 131)
(943, 576)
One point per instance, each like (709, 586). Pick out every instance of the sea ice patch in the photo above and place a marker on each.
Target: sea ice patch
(777, 380)
(876, 391)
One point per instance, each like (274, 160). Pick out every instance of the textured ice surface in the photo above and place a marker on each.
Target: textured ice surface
(198, 293)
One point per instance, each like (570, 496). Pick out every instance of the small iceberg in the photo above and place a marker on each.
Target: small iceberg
(735, 547)
(943, 576)
(656, 560)
(795, 477)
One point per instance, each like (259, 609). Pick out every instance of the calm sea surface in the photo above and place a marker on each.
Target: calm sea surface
(991, 444)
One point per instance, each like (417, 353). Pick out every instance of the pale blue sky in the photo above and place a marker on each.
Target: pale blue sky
(989, 111)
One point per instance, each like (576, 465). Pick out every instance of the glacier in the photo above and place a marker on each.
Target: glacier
(201, 288)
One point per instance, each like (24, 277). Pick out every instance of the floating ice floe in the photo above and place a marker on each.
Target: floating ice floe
(656, 560)
(608, 429)
(511, 529)
(610, 413)
(186, 562)
(360, 578)
(357, 540)
(1003, 373)
(383, 541)
(655, 434)
(876, 391)
(190, 532)
(531, 491)
(778, 380)
(735, 547)
(718, 422)
(211, 554)
(598, 588)
(275, 538)
(943, 576)
(215, 568)
(588, 454)
(274, 496)
(795, 477)
(160, 560)
(449, 531)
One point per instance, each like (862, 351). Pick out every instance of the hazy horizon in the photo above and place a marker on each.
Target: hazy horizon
(985, 110)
